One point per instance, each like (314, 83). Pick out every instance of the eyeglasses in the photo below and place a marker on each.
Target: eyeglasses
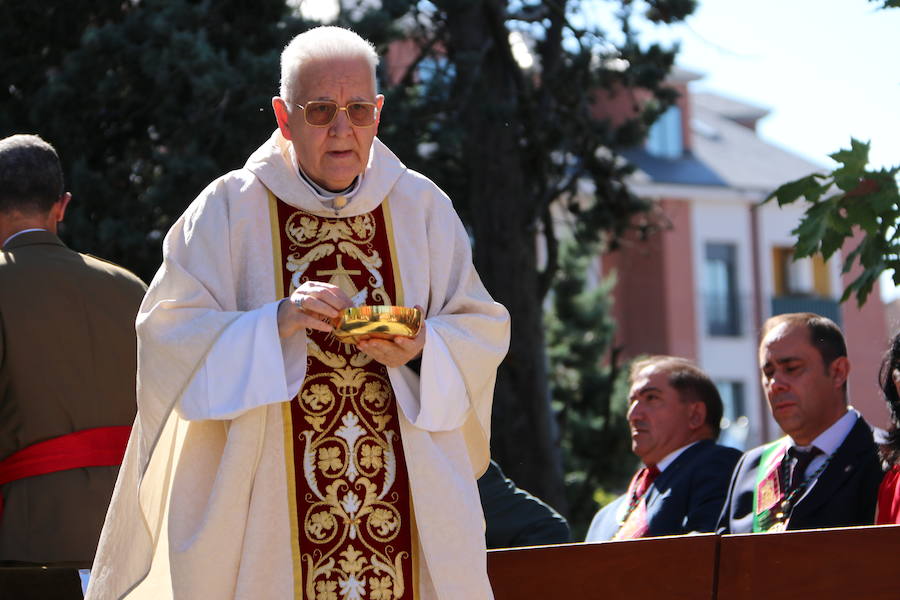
(321, 113)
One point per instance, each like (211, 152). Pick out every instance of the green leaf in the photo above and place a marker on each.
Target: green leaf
(847, 181)
(812, 229)
(848, 260)
(862, 285)
(807, 187)
(832, 241)
(855, 158)
(862, 214)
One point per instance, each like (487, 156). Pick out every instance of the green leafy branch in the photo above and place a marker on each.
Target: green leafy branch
(852, 197)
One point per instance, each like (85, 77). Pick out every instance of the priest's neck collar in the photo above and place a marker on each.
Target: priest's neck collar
(332, 200)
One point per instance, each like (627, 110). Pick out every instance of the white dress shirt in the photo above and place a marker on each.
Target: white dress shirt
(830, 440)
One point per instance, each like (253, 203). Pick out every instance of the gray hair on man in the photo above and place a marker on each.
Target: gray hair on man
(322, 43)
(31, 178)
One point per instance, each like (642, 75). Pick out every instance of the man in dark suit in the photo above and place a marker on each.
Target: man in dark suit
(67, 368)
(674, 416)
(826, 472)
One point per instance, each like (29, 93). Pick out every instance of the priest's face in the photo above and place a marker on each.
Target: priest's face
(334, 154)
(659, 419)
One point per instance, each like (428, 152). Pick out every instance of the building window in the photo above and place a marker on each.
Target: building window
(664, 138)
(720, 290)
(735, 424)
(807, 276)
(802, 285)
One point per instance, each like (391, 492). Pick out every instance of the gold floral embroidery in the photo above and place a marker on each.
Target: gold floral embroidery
(316, 422)
(303, 228)
(326, 590)
(329, 459)
(381, 421)
(375, 393)
(363, 227)
(384, 521)
(317, 397)
(381, 589)
(353, 560)
(334, 231)
(330, 359)
(319, 523)
(371, 457)
(353, 513)
(348, 380)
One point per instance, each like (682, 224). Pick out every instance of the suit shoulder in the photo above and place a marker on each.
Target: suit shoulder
(725, 457)
(749, 460)
(727, 452)
(118, 272)
(604, 525)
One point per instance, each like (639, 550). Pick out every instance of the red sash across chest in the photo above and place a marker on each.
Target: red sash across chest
(353, 513)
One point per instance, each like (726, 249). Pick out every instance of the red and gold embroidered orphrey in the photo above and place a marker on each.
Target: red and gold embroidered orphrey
(353, 516)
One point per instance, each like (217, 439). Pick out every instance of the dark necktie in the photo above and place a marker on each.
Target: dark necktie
(643, 479)
(802, 458)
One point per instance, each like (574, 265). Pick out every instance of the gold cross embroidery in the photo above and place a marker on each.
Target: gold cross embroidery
(341, 277)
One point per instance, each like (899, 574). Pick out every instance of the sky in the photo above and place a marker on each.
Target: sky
(825, 69)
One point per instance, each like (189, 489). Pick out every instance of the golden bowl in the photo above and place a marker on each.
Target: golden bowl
(385, 322)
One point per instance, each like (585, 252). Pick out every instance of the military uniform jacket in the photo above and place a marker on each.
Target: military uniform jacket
(67, 363)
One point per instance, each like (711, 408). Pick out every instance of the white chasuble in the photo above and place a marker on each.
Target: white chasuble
(202, 507)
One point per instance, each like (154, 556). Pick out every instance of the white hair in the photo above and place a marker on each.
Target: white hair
(322, 43)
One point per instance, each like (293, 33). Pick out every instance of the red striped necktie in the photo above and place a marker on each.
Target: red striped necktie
(643, 479)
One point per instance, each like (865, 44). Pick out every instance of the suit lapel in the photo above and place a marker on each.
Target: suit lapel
(660, 487)
(846, 459)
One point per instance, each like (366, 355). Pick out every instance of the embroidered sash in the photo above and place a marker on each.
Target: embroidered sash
(353, 519)
(767, 495)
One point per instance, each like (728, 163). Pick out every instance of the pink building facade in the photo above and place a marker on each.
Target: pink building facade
(702, 287)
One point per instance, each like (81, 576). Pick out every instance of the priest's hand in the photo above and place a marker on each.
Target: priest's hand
(311, 306)
(396, 352)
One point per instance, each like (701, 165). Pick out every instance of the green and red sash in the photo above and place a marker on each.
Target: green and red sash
(767, 494)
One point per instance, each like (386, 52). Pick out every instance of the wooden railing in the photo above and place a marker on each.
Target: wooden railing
(856, 563)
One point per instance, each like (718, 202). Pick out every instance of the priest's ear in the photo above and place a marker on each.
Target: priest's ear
(281, 116)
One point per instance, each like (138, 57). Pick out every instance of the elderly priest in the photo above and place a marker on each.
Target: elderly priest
(272, 459)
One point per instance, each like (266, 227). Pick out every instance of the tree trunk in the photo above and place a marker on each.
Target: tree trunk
(502, 203)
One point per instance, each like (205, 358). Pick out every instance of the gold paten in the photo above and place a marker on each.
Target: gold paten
(385, 322)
